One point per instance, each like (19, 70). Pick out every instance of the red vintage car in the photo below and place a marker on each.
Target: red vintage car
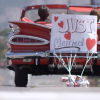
(29, 46)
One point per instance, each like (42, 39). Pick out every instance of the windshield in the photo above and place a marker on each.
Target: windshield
(32, 14)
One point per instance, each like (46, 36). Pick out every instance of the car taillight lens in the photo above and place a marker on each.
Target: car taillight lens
(14, 39)
(32, 40)
(25, 40)
(19, 39)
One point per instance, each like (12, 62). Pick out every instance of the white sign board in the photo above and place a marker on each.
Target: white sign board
(74, 33)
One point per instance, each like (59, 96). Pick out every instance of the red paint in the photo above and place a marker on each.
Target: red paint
(20, 61)
(44, 61)
(90, 43)
(81, 9)
(68, 36)
(55, 18)
(61, 24)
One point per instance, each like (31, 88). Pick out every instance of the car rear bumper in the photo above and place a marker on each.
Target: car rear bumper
(12, 55)
(48, 54)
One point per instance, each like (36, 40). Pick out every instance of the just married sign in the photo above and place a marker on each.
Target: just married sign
(74, 33)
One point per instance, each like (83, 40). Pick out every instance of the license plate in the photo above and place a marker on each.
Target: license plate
(27, 60)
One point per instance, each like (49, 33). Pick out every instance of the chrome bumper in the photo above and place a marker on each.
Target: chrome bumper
(11, 55)
(50, 54)
(47, 54)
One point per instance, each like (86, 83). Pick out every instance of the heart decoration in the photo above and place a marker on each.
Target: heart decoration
(55, 18)
(90, 43)
(61, 24)
(68, 36)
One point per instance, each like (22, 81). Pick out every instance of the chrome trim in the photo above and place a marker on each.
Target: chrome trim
(36, 55)
(30, 37)
(13, 30)
(36, 61)
(98, 55)
(78, 52)
(98, 28)
(47, 54)
(72, 57)
(11, 55)
(98, 42)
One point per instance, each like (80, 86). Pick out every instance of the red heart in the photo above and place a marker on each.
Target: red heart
(56, 18)
(90, 43)
(61, 24)
(68, 36)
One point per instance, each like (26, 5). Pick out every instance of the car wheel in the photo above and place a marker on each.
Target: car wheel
(21, 77)
(96, 70)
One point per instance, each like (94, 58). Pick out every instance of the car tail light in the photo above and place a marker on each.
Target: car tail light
(19, 39)
(27, 40)
(23, 40)
(33, 40)
(14, 39)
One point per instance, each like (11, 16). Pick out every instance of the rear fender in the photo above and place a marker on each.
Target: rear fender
(33, 29)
